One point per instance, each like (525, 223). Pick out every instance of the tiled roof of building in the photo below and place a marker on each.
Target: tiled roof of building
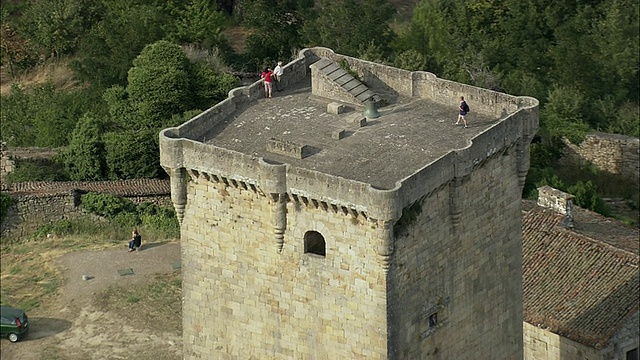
(135, 187)
(580, 283)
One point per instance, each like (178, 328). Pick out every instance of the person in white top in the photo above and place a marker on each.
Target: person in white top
(278, 73)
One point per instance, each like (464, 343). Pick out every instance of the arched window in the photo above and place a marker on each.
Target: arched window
(314, 243)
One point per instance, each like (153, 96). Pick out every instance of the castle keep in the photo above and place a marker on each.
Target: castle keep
(310, 231)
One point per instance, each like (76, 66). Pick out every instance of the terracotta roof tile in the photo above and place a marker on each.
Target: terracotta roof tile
(136, 187)
(575, 285)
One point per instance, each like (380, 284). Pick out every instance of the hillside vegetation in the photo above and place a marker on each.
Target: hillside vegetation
(102, 77)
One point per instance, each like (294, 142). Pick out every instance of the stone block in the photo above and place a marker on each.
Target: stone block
(338, 134)
(360, 121)
(287, 148)
(335, 108)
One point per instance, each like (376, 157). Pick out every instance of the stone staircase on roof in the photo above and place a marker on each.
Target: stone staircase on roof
(344, 80)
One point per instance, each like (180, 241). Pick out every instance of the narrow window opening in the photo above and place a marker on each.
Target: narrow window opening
(433, 320)
(314, 243)
(632, 354)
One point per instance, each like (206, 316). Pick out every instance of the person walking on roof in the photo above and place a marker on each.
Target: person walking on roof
(464, 110)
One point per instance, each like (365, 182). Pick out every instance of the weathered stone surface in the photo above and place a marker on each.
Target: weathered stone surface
(338, 134)
(419, 221)
(335, 108)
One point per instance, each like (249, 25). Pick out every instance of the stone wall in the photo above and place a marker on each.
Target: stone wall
(29, 212)
(541, 344)
(7, 165)
(285, 304)
(8, 157)
(251, 291)
(611, 153)
(626, 338)
(422, 84)
(39, 203)
(460, 269)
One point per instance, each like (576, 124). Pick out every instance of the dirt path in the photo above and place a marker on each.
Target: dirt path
(76, 326)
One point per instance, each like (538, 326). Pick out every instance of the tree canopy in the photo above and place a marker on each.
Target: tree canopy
(147, 64)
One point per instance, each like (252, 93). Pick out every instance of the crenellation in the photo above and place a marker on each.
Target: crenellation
(370, 231)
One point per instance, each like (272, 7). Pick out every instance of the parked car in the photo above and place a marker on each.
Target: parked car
(14, 323)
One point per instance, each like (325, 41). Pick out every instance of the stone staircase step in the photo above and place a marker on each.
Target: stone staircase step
(342, 78)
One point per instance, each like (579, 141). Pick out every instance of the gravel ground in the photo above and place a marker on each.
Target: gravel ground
(73, 327)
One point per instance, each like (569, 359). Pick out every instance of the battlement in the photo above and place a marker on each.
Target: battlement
(312, 227)
(380, 168)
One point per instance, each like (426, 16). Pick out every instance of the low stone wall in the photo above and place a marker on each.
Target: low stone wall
(611, 153)
(29, 212)
(8, 157)
(39, 203)
(542, 344)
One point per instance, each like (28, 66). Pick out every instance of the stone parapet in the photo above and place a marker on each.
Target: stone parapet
(382, 204)
(412, 218)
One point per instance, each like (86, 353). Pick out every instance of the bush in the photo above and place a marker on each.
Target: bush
(132, 154)
(124, 213)
(106, 205)
(44, 116)
(538, 177)
(586, 196)
(162, 219)
(84, 157)
(5, 203)
(37, 170)
(60, 228)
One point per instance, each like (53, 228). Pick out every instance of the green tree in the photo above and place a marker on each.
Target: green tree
(275, 30)
(43, 115)
(198, 22)
(15, 51)
(57, 25)
(159, 83)
(106, 53)
(562, 115)
(586, 196)
(84, 157)
(132, 154)
(210, 86)
(350, 26)
(410, 60)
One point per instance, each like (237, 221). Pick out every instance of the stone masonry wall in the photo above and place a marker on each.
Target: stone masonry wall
(29, 212)
(542, 344)
(8, 157)
(39, 203)
(422, 84)
(614, 154)
(465, 273)
(625, 339)
(246, 299)
(7, 165)
(287, 305)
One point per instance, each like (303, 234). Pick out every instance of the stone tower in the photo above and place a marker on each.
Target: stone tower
(311, 232)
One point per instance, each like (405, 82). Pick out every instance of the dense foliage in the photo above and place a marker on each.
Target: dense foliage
(5, 203)
(148, 63)
(124, 212)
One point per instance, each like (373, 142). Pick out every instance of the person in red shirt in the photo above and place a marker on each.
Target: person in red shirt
(267, 75)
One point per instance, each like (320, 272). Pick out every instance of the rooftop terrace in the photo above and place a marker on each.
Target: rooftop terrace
(410, 133)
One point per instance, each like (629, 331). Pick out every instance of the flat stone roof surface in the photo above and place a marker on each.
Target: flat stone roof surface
(409, 134)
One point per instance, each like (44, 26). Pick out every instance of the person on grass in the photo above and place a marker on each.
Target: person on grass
(136, 240)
